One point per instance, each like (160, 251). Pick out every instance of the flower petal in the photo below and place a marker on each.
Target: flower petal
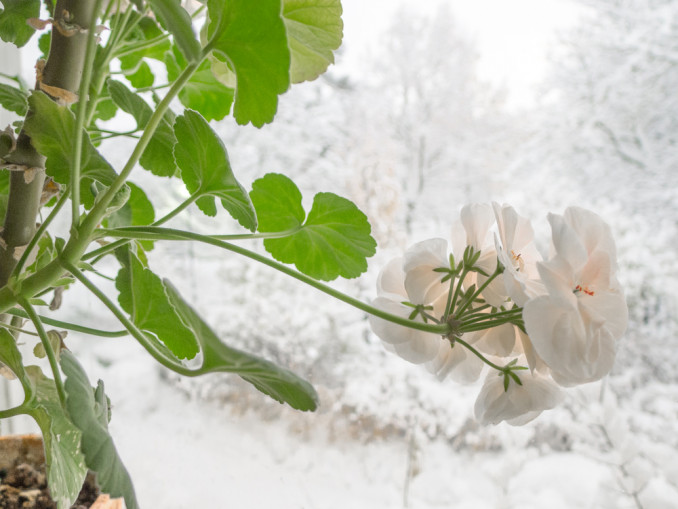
(422, 283)
(457, 362)
(391, 278)
(520, 403)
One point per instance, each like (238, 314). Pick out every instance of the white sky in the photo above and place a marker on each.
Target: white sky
(513, 35)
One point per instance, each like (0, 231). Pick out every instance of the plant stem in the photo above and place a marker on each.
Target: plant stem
(62, 71)
(71, 326)
(477, 293)
(457, 290)
(477, 318)
(24, 408)
(23, 302)
(43, 228)
(17, 329)
(80, 115)
(183, 205)
(478, 354)
(127, 323)
(172, 234)
(77, 244)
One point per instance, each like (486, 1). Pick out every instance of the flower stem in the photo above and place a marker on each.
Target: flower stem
(478, 354)
(172, 234)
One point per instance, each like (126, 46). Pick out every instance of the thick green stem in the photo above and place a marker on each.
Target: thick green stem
(60, 76)
(43, 228)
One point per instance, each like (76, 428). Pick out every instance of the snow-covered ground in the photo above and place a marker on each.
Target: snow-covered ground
(387, 434)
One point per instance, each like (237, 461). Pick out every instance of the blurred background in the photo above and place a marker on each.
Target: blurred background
(430, 105)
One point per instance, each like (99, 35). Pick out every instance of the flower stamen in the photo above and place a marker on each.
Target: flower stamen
(585, 289)
(518, 262)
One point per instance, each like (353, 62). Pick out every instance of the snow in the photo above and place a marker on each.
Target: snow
(388, 434)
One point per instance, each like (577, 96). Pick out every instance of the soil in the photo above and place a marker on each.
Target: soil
(24, 486)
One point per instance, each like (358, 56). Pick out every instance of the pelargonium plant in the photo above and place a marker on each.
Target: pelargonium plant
(493, 302)
(487, 302)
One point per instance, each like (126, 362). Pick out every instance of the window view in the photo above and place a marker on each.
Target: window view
(324, 254)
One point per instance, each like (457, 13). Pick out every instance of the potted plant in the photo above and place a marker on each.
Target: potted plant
(236, 56)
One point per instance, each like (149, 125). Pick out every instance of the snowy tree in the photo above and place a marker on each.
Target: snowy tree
(606, 135)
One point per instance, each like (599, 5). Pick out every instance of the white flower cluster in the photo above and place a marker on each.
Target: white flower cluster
(503, 305)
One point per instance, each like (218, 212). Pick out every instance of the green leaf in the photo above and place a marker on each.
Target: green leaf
(206, 170)
(44, 42)
(203, 92)
(178, 22)
(141, 77)
(146, 29)
(278, 383)
(56, 339)
(46, 252)
(6, 146)
(333, 241)
(314, 29)
(89, 411)
(65, 464)
(157, 158)
(254, 43)
(142, 295)
(11, 357)
(13, 26)
(138, 211)
(51, 129)
(13, 99)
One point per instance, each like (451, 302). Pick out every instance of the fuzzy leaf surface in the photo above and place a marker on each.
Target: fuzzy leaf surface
(202, 92)
(157, 158)
(333, 240)
(274, 381)
(65, 464)
(51, 129)
(13, 26)
(88, 409)
(315, 30)
(13, 99)
(254, 43)
(177, 21)
(205, 169)
(143, 296)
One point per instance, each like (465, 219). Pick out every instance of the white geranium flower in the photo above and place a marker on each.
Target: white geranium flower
(474, 230)
(456, 362)
(395, 291)
(518, 254)
(575, 326)
(520, 403)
